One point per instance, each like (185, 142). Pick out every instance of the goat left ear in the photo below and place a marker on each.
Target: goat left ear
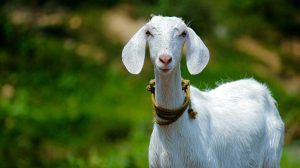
(197, 53)
(133, 53)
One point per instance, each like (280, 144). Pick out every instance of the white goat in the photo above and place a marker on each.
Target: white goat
(238, 124)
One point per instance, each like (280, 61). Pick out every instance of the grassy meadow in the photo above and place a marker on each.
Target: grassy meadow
(66, 100)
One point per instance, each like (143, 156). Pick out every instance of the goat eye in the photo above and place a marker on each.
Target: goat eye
(148, 33)
(183, 34)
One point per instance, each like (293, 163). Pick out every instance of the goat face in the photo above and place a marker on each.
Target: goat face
(166, 37)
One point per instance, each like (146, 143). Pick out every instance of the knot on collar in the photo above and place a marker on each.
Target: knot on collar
(169, 116)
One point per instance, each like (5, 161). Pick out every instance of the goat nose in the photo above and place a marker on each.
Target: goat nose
(165, 59)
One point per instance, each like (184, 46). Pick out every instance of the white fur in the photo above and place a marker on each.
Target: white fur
(238, 124)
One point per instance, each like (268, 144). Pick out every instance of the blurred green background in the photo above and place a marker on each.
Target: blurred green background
(66, 100)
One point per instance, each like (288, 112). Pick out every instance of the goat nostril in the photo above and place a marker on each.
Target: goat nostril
(165, 59)
(169, 60)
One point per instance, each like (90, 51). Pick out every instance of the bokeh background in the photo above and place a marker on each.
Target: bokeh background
(66, 100)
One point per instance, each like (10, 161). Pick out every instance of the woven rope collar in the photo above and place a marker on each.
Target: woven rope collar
(169, 116)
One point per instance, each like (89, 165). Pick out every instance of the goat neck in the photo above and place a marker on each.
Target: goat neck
(168, 90)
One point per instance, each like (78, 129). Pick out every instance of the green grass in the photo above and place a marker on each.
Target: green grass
(289, 159)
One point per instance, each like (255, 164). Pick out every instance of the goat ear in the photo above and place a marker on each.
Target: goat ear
(197, 53)
(133, 53)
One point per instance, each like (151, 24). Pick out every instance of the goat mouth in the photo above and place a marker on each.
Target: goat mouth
(164, 69)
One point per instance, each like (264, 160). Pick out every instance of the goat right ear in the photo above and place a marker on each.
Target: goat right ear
(133, 54)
